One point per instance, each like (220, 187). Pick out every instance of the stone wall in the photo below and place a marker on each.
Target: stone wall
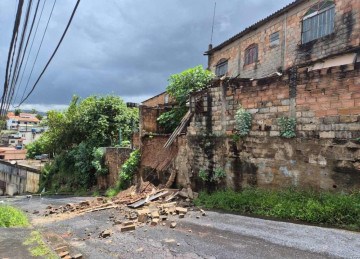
(114, 159)
(324, 155)
(290, 51)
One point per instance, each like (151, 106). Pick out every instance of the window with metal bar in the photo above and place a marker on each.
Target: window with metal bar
(221, 67)
(251, 54)
(318, 21)
(274, 39)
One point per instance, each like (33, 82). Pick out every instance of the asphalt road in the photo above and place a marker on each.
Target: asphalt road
(216, 235)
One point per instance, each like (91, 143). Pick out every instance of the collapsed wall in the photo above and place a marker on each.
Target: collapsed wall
(325, 154)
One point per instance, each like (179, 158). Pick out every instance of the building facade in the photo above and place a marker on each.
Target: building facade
(299, 34)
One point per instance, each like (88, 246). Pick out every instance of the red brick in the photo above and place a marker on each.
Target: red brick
(330, 112)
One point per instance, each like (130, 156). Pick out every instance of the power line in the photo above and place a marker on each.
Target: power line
(52, 56)
(32, 42)
(18, 56)
(27, 43)
(15, 30)
(37, 54)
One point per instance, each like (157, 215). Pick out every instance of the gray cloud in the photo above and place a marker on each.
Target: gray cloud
(127, 47)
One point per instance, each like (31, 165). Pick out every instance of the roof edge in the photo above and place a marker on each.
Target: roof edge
(255, 26)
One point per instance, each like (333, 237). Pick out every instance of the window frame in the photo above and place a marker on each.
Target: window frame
(316, 27)
(219, 68)
(276, 42)
(249, 57)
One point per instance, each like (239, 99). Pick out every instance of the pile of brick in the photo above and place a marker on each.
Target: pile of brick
(136, 207)
(98, 203)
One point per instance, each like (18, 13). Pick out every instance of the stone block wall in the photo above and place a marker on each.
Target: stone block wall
(114, 159)
(325, 154)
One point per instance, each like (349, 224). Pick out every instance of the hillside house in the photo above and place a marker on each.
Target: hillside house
(302, 62)
(326, 31)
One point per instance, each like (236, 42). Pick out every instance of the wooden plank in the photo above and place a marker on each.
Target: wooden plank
(178, 129)
(147, 199)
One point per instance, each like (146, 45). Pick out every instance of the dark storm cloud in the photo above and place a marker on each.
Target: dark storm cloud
(127, 47)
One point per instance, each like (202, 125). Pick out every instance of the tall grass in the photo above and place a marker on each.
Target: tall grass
(12, 217)
(334, 209)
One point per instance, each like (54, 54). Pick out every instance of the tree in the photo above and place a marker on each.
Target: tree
(17, 112)
(39, 116)
(74, 135)
(180, 86)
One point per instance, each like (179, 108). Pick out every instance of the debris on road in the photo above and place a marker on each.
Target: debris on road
(134, 207)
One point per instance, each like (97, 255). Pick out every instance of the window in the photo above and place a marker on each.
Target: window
(166, 98)
(318, 21)
(251, 54)
(274, 39)
(221, 67)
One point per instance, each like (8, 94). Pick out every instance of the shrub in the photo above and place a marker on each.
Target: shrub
(98, 162)
(203, 174)
(287, 127)
(128, 169)
(12, 217)
(242, 122)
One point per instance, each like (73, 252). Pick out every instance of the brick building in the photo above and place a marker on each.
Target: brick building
(303, 62)
(298, 34)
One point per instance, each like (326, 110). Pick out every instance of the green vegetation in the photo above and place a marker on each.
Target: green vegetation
(126, 174)
(38, 247)
(179, 88)
(99, 162)
(287, 127)
(74, 138)
(128, 169)
(334, 209)
(203, 174)
(242, 122)
(111, 192)
(12, 217)
(215, 177)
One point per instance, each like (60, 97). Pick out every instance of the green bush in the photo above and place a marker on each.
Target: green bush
(287, 127)
(128, 169)
(335, 209)
(12, 217)
(179, 88)
(98, 162)
(242, 122)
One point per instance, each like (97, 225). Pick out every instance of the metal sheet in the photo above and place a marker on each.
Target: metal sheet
(335, 62)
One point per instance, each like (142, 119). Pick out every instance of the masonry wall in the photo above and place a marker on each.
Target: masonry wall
(324, 155)
(148, 119)
(114, 159)
(290, 51)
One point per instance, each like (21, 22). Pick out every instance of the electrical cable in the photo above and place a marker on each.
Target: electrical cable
(25, 49)
(15, 29)
(18, 56)
(37, 54)
(52, 56)
(27, 58)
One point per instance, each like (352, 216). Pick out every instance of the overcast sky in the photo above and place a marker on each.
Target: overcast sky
(124, 47)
